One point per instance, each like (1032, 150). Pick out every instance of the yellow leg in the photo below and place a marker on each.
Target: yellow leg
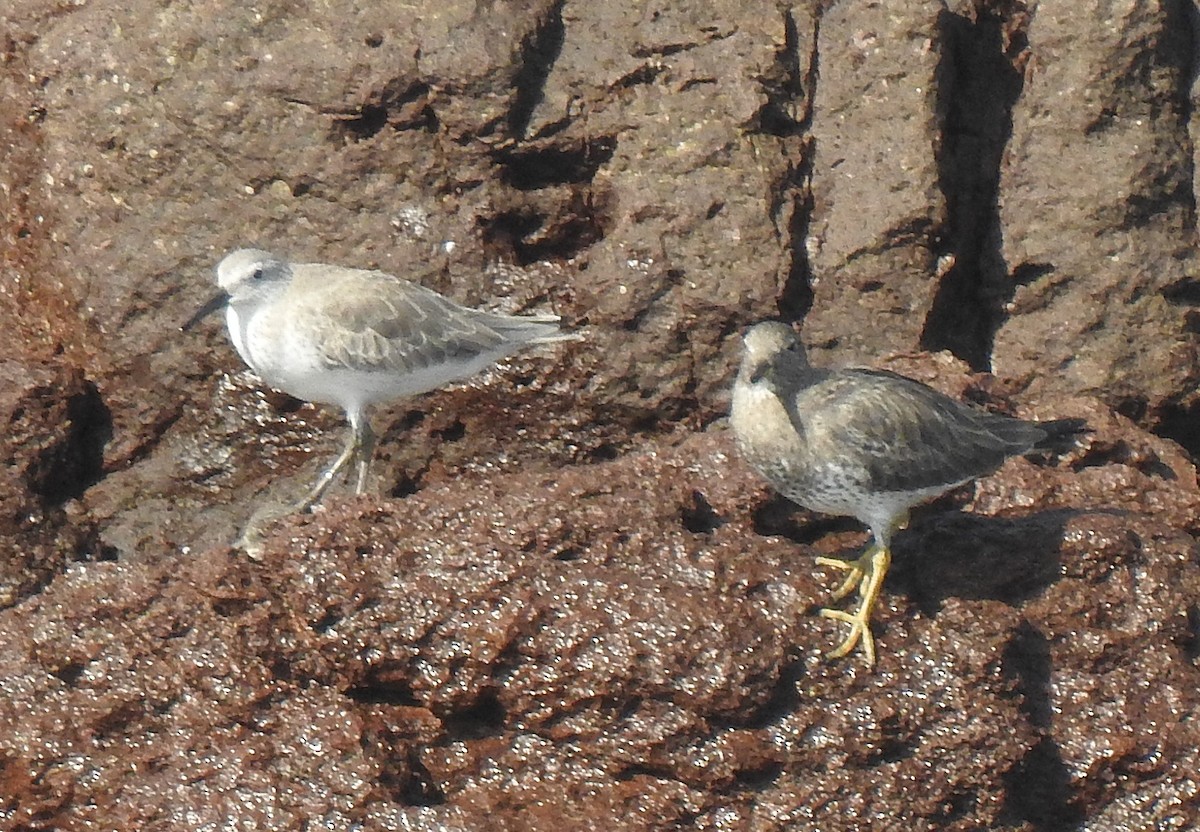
(867, 574)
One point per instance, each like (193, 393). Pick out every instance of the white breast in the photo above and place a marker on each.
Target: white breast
(237, 333)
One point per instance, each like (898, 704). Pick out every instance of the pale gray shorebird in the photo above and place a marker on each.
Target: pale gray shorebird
(353, 338)
(869, 444)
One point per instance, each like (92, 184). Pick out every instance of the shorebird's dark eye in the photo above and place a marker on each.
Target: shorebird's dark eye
(257, 273)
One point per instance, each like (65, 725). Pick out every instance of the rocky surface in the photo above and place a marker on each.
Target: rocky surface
(570, 605)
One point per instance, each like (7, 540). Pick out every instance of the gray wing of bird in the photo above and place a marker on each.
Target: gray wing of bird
(908, 436)
(386, 322)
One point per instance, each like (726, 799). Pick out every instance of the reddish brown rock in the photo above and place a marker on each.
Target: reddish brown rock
(510, 651)
(570, 605)
(876, 206)
(1098, 212)
(54, 423)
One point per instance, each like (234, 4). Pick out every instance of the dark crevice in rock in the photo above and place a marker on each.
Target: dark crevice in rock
(1100, 453)
(1184, 292)
(388, 739)
(513, 230)
(699, 517)
(890, 751)
(663, 50)
(643, 75)
(526, 234)
(408, 484)
(233, 607)
(1174, 420)
(567, 554)
(635, 770)
(1191, 642)
(796, 297)
(978, 86)
(604, 452)
(795, 201)
(369, 121)
(783, 700)
(1133, 408)
(1165, 192)
(759, 777)
(402, 773)
(1180, 423)
(419, 788)
(787, 110)
(328, 621)
(67, 468)
(70, 672)
(539, 53)
(1027, 273)
(919, 232)
(959, 806)
(379, 693)
(482, 718)
(528, 168)
(402, 104)
(453, 432)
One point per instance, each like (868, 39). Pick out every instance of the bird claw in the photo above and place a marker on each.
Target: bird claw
(854, 579)
(866, 574)
(860, 630)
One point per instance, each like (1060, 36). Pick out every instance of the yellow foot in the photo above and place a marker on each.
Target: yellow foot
(853, 579)
(860, 630)
(867, 574)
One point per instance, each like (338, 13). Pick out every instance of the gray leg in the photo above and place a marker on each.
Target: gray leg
(251, 538)
(365, 440)
(360, 445)
(339, 465)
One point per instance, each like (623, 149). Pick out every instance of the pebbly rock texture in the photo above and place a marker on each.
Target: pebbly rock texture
(54, 422)
(1110, 137)
(569, 605)
(527, 650)
(877, 210)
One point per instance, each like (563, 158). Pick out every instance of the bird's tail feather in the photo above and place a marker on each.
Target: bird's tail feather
(534, 329)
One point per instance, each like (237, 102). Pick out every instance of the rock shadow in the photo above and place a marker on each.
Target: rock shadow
(964, 555)
(978, 86)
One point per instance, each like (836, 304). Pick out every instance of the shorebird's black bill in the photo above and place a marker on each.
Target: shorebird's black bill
(214, 303)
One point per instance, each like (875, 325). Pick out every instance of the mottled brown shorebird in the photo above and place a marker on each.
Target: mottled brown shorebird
(868, 444)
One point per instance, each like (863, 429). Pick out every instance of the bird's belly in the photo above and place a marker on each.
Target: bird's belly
(288, 360)
(842, 493)
(352, 387)
(827, 489)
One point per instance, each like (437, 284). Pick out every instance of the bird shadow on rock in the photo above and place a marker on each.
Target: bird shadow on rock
(780, 517)
(971, 556)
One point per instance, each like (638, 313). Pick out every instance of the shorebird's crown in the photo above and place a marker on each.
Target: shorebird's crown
(245, 267)
(765, 340)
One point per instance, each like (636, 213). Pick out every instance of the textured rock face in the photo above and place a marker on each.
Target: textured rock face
(570, 605)
(1109, 137)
